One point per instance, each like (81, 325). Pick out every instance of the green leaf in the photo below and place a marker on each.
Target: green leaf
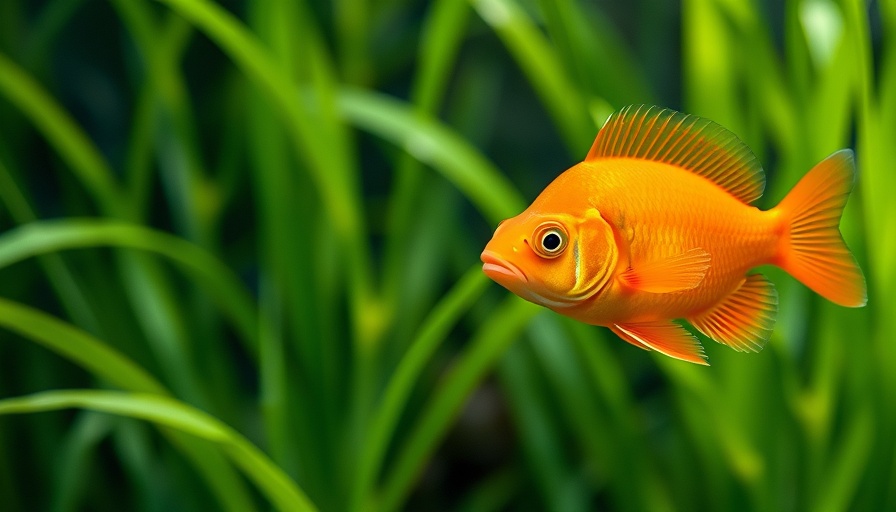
(491, 340)
(62, 131)
(78, 346)
(44, 237)
(436, 145)
(167, 412)
(543, 67)
(433, 330)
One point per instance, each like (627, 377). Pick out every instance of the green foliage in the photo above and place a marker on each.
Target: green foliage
(242, 240)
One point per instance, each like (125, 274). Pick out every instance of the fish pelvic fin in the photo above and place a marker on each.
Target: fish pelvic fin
(744, 319)
(811, 248)
(665, 337)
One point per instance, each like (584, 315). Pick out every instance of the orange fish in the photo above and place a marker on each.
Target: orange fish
(657, 224)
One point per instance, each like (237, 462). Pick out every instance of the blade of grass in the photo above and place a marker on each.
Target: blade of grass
(70, 290)
(488, 344)
(311, 315)
(541, 437)
(589, 45)
(543, 67)
(167, 412)
(161, 49)
(441, 37)
(436, 145)
(493, 494)
(106, 363)
(75, 459)
(78, 346)
(314, 144)
(844, 472)
(86, 162)
(44, 237)
(433, 330)
(143, 281)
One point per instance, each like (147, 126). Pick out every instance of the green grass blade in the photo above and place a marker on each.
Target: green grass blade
(437, 146)
(491, 340)
(45, 237)
(162, 49)
(316, 141)
(75, 458)
(70, 289)
(59, 128)
(541, 435)
(440, 42)
(260, 67)
(167, 412)
(847, 466)
(108, 364)
(589, 45)
(493, 494)
(433, 330)
(540, 63)
(78, 346)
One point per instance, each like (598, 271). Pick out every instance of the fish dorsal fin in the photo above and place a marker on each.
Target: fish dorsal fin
(693, 143)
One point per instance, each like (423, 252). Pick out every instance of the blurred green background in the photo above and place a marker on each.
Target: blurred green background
(239, 258)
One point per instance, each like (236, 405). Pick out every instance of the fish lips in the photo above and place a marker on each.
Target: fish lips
(502, 271)
(514, 279)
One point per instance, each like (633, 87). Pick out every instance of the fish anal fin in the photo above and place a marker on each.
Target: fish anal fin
(743, 320)
(665, 337)
(692, 143)
(677, 273)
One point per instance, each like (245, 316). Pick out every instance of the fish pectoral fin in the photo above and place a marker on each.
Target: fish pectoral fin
(674, 274)
(744, 319)
(665, 337)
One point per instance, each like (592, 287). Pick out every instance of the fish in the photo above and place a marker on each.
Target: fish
(657, 225)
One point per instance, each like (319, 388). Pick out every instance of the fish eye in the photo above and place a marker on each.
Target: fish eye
(551, 241)
(551, 238)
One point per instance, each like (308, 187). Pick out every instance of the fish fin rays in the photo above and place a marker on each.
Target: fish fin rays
(690, 142)
(812, 250)
(744, 319)
(665, 337)
(674, 274)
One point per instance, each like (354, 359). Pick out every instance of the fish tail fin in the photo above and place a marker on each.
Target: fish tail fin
(811, 248)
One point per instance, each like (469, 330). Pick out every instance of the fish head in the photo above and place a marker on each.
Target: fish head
(555, 260)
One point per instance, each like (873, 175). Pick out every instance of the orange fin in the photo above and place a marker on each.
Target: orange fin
(690, 142)
(744, 319)
(665, 337)
(812, 249)
(674, 274)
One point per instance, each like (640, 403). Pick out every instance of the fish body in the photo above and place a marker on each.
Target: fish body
(657, 224)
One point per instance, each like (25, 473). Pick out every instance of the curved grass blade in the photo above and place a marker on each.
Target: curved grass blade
(540, 63)
(71, 291)
(45, 237)
(171, 413)
(491, 340)
(108, 364)
(441, 36)
(436, 145)
(77, 346)
(541, 433)
(433, 330)
(317, 142)
(71, 142)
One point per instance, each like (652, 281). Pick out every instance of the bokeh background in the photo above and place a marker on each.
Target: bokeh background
(239, 258)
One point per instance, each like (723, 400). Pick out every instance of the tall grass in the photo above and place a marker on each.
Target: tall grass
(255, 227)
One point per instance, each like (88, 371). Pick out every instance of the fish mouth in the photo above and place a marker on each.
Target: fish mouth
(495, 266)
